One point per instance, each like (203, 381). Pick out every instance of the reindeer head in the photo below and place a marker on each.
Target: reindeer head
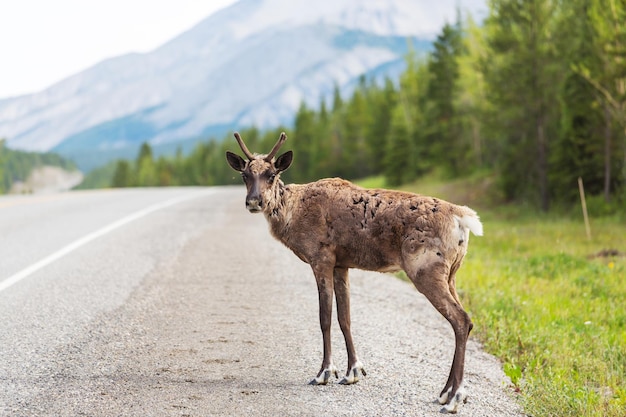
(259, 172)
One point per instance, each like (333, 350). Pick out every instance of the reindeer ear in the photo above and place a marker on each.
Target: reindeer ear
(235, 161)
(284, 161)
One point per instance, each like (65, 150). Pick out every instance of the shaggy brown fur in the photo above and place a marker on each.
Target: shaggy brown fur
(334, 225)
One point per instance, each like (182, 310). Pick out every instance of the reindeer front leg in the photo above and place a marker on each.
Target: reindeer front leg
(342, 295)
(324, 277)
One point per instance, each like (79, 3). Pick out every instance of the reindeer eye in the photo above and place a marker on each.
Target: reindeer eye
(244, 176)
(271, 178)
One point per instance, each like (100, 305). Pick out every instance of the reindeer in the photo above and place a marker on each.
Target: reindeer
(334, 225)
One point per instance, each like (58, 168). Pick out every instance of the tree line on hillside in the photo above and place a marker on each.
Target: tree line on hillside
(536, 95)
(17, 165)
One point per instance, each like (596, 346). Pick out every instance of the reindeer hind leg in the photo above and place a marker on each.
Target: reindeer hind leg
(431, 277)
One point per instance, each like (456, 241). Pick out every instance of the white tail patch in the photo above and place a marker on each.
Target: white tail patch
(471, 221)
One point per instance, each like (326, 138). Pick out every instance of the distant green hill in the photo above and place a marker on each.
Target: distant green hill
(17, 165)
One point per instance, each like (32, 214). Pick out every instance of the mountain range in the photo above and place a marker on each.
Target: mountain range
(252, 63)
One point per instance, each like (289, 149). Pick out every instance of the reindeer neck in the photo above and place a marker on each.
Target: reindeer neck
(275, 201)
(281, 205)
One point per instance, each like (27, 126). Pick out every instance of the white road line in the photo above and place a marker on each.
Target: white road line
(26, 272)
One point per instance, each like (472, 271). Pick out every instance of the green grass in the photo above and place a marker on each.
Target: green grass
(554, 314)
(545, 304)
(373, 182)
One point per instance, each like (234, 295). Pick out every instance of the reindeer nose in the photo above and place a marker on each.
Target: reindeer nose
(254, 205)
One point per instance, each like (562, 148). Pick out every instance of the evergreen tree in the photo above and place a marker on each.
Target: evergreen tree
(608, 77)
(470, 102)
(381, 104)
(337, 100)
(444, 138)
(355, 127)
(338, 155)
(305, 144)
(578, 150)
(165, 172)
(122, 176)
(523, 83)
(399, 163)
(146, 173)
(414, 103)
(323, 164)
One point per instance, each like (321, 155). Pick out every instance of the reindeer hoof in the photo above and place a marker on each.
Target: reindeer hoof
(352, 377)
(452, 406)
(323, 376)
(443, 398)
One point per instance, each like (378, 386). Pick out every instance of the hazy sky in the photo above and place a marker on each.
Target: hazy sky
(44, 41)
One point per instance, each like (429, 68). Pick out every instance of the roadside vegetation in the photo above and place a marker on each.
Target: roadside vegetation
(550, 304)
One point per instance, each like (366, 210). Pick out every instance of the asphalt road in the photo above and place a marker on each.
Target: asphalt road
(177, 302)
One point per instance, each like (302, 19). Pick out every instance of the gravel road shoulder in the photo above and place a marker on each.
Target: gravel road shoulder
(229, 327)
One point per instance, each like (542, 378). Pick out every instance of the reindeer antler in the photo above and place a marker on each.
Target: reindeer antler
(243, 147)
(281, 140)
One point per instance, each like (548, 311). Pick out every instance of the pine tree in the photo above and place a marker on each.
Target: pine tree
(122, 176)
(608, 77)
(470, 101)
(381, 104)
(146, 172)
(522, 83)
(323, 164)
(355, 131)
(304, 144)
(443, 67)
(578, 149)
(398, 160)
(414, 103)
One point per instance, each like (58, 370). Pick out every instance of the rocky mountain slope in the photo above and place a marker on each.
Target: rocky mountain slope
(251, 63)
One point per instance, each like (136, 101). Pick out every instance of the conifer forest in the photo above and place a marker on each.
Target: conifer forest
(535, 96)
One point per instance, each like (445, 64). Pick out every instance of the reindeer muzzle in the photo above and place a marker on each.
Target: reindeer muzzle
(254, 205)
